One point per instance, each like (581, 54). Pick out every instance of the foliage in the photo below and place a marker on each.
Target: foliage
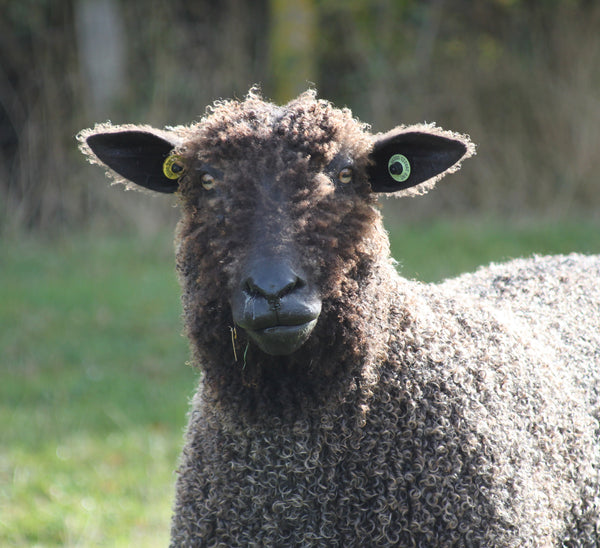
(520, 76)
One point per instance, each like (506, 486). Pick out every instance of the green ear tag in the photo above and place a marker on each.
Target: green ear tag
(173, 166)
(399, 168)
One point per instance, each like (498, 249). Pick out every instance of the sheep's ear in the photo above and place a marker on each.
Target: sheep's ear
(137, 155)
(409, 156)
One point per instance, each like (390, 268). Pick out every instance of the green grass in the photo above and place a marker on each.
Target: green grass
(444, 249)
(93, 391)
(94, 385)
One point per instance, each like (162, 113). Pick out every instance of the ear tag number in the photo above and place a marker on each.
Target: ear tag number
(399, 168)
(173, 166)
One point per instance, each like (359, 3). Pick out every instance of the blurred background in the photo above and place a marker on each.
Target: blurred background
(522, 77)
(94, 386)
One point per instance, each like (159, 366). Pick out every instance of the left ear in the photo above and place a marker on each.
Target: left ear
(132, 154)
(409, 156)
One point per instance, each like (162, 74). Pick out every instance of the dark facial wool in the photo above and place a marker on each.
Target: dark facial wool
(341, 405)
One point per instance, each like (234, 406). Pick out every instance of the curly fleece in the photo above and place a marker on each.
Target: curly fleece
(458, 414)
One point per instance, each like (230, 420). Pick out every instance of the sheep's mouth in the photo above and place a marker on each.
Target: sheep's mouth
(279, 321)
(279, 340)
(279, 330)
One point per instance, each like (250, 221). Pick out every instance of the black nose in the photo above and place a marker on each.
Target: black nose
(272, 280)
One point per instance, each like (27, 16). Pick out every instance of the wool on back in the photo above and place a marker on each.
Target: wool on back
(476, 419)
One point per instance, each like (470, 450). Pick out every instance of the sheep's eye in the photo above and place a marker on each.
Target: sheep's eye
(345, 175)
(208, 181)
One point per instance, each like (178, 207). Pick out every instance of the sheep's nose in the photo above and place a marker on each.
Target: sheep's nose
(275, 304)
(272, 281)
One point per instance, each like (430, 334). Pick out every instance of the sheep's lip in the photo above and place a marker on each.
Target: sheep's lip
(280, 340)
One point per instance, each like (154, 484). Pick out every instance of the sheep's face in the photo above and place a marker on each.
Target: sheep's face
(279, 200)
(279, 216)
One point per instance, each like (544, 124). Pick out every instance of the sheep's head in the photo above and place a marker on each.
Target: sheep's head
(279, 207)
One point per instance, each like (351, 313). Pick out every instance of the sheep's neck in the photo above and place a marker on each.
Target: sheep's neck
(327, 371)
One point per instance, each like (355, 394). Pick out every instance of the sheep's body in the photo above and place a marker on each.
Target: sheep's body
(340, 404)
(475, 424)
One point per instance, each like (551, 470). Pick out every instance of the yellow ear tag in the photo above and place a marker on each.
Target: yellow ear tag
(173, 166)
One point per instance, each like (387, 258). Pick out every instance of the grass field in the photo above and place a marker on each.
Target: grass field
(94, 384)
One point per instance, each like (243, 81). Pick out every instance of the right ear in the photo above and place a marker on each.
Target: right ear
(415, 157)
(134, 153)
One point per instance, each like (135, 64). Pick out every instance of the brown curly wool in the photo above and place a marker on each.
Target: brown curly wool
(458, 414)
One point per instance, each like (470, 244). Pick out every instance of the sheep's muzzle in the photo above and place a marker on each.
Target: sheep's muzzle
(275, 305)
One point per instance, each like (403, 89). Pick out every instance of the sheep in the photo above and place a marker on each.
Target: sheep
(341, 404)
